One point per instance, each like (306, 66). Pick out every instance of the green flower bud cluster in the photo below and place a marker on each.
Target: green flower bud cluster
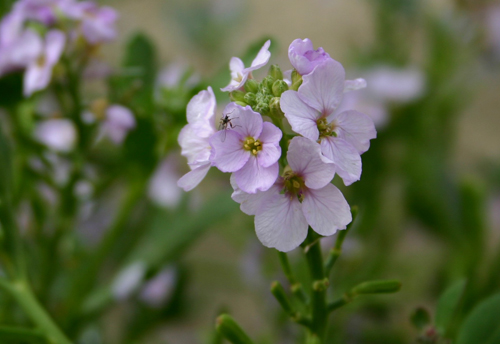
(264, 96)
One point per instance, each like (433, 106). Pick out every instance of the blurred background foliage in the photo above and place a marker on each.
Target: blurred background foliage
(429, 196)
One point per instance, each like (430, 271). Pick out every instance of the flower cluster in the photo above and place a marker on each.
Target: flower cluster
(281, 177)
(33, 36)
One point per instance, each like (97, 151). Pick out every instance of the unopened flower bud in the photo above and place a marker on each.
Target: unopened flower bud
(250, 98)
(230, 330)
(241, 103)
(275, 107)
(268, 83)
(276, 72)
(280, 295)
(237, 96)
(296, 80)
(377, 287)
(279, 87)
(252, 86)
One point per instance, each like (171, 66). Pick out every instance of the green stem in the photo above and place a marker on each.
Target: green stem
(320, 284)
(336, 251)
(11, 334)
(295, 287)
(24, 296)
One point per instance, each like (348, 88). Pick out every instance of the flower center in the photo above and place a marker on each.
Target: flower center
(325, 128)
(41, 61)
(294, 185)
(252, 145)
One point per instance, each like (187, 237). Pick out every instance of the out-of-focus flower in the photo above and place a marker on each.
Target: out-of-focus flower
(18, 47)
(493, 28)
(172, 75)
(240, 74)
(128, 280)
(194, 138)
(163, 189)
(119, 121)
(98, 23)
(385, 85)
(159, 289)
(250, 149)
(39, 71)
(57, 134)
(311, 113)
(302, 197)
(304, 58)
(96, 69)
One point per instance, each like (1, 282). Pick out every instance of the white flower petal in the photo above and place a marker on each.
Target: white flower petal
(344, 156)
(191, 179)
(356, 128)
(200, 112)
(262, 57)
(323, 88)
(282, 225)
(250, 204)
(326, 210)
(304, 157)
(301, 117)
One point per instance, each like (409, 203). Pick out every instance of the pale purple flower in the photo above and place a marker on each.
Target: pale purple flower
(302, 197)
(304, 58)
(163, 189)
(249, 148)
(119, 121)
(128, 280)
(57, 134)
(18, 47)
(311, 113)
(98, 23)
(194, 138)
(159, 289)
(39, 71)
(240, 74)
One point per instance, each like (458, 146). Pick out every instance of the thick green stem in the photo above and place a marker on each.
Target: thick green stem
(320, 284)
(11, 334)
(25, 298)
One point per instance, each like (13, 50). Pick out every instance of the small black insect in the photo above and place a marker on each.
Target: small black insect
(225, 124)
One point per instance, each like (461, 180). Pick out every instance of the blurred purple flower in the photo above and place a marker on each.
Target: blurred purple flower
(119, 121)
(163, 189)
(57, 134)
(98, 23)
(159, 289)
(39, 71)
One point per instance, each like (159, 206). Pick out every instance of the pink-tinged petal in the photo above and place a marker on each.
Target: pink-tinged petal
(26, 49)
(261, 59)
(304, 58)
(323, 88)
(269, 154)
(250, 204)
(354, 85)
(252, 177)
(228, 154)
(54, 46)
(36, 78)
(304, 157)
(356, 128)
(193, 146)
(326, 210)
(270, 133)
(282, 225)
(301, 117)
(238, 76)
(245, 121)
(344, 156)
(200, 112)
(191, 179)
